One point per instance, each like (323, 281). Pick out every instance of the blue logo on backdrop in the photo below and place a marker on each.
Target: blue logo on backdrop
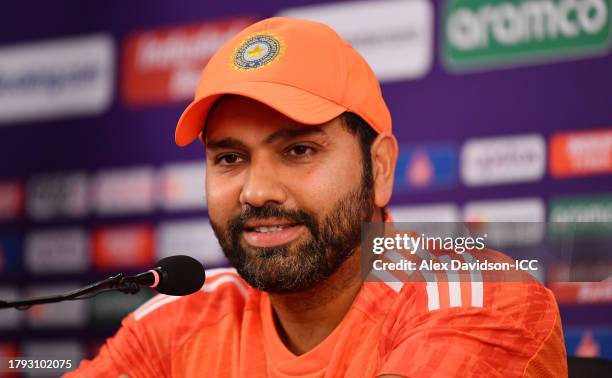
(10, 254)
(426, 167)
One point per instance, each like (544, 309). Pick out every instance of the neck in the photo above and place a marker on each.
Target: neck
(305, 319)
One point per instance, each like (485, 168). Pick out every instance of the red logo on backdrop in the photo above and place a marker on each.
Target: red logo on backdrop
(420, 171)
(11, 199)
(164, 65)
(588, 346)
(581, 153)
(582, 292)
(123, 247)
(8, 351)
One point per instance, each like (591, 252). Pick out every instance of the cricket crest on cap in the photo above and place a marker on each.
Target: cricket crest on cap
(256, 51)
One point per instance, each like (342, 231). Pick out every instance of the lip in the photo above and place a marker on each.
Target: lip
(270, 222)
(274, 238)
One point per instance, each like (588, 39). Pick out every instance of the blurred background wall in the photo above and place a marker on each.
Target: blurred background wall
(502, 109)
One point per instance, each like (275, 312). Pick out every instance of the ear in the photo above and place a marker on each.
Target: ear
(384, 158)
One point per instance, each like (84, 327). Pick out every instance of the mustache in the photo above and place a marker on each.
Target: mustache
(248, 213)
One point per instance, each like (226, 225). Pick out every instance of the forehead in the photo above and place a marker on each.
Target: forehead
(243, 117)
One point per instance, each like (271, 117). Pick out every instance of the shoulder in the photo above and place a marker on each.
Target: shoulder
(508, 323)
(441, 281)
(473, 296)
(148, 337)
(521, 318)
(520, 300)
(223, 292)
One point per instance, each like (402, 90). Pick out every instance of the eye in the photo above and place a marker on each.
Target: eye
(228, 159)
(300, 150)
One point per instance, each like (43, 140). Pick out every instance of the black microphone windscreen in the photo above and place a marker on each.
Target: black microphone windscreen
(184, 275)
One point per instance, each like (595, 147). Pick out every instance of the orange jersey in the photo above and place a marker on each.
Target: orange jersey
(410, 329)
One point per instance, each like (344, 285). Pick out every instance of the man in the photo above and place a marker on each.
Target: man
(299, 152)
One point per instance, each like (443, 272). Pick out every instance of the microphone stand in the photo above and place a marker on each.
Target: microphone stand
(116, 282)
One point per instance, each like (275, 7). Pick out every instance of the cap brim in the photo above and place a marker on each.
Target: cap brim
(297, 104)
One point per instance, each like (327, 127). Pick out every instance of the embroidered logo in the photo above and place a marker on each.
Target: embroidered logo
(257, 51)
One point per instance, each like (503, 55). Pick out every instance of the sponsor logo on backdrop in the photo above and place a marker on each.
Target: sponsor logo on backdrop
(508, 222)
(502, 160)
(182, 186)
(589, 342)
(582, 292)
(112, 307)
(71, 314)
(595, 292)
(62, 77)
(117, 247)
(394, 37)
(9, 319)
(587, 347)
(57, 251)
(57, 195)
(11, 199)
(124, 191)
(582, 268)
(164, 65)
(9, 350)
(431, 219)
(426, 167)
(439, 212)
(55, 349)
(10, 254)
(483, 33)
(581, 217)
(581, 153)
(508, 210)
(194, 238)
(581, 209)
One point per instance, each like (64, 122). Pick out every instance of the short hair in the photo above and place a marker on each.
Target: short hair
(355, 125)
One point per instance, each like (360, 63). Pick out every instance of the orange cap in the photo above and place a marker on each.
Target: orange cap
(300, 68)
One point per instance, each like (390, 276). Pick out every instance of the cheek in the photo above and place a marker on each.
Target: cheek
(319, 189)
(222, 198)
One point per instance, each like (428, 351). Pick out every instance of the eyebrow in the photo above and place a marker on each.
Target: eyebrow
(294, 133)
(232, 143)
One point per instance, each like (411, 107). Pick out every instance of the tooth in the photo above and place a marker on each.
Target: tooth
(264, 229)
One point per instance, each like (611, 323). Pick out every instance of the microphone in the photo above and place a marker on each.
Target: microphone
(174, 275)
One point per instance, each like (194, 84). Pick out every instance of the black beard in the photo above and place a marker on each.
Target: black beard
(301, 266)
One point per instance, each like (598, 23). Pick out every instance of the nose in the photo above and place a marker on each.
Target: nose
(262, 185)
